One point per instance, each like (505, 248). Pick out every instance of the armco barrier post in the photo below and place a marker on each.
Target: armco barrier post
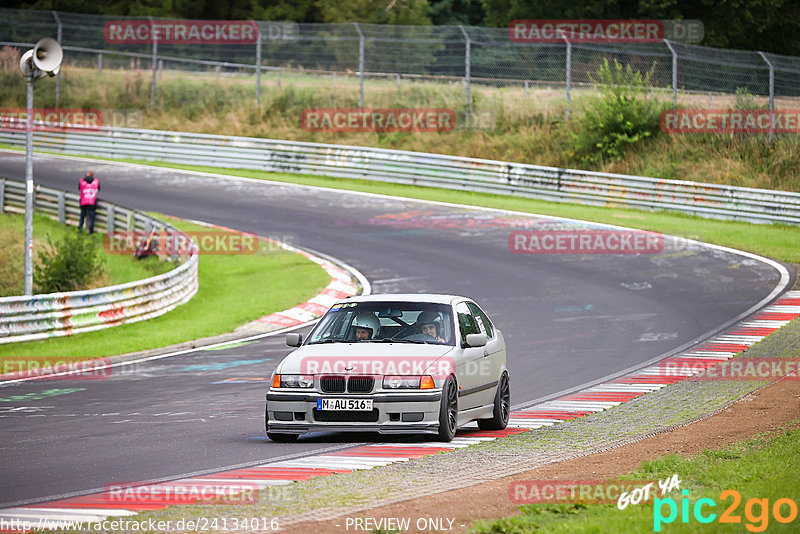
(110, 219)
(61, 209)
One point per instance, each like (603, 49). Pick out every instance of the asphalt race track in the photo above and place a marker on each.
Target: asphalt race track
(568, 319)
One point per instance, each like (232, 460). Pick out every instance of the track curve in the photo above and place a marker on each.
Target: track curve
(567, 319)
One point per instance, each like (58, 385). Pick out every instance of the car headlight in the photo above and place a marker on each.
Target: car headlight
(293, 381)
(407, 382)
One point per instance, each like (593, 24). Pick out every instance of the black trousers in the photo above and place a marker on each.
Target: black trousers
(88, 212)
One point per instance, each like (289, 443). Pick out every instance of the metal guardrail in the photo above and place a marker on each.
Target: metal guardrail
(419, 168)
(28, 318)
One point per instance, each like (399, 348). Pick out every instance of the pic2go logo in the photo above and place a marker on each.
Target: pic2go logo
(757, 511)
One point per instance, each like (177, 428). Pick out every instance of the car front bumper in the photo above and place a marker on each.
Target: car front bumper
(296, 412)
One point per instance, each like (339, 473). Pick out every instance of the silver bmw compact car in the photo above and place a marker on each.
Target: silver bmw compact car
(392, 364)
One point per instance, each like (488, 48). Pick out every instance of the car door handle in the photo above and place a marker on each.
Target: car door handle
(485, 353)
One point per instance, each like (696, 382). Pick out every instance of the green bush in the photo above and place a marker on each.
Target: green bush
(623, 114)
(69, 264)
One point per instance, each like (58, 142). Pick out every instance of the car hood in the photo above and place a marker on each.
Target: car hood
(363, 358)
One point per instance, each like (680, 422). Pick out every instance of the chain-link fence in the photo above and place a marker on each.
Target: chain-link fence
(468, 54)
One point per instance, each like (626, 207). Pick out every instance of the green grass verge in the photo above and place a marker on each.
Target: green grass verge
(234, 289)
(778, 241)
(759, 468)
(118, 269)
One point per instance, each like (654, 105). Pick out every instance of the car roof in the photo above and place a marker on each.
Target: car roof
(408, 297)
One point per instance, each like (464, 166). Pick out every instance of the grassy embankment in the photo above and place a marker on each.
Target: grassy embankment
(233, 289)
(761, 471)
(522, 128)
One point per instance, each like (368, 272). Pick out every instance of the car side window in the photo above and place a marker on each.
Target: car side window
(482, 319)
(466, 322)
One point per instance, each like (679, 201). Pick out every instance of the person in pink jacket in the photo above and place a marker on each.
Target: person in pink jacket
(89, 186)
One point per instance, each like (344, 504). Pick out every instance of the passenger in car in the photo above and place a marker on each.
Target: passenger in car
(428, 323)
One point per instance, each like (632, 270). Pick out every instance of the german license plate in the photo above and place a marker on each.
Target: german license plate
(357, 405)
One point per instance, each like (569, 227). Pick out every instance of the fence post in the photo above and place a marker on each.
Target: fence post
(467, 64)
(2, 195)
(155, 64)
(258, 66)
(771, 95)
(58, 74)
(674, 74)
(569, 70)
(62, 215)
(360, 65)
(99, 64)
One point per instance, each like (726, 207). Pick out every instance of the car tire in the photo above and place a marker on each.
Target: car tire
(448, 410)
(502, 403)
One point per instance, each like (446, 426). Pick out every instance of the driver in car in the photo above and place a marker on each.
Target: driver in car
(428, 323)
(366, 326)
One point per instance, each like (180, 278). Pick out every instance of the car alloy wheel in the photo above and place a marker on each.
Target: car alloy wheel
(502, 407)
(448, 411)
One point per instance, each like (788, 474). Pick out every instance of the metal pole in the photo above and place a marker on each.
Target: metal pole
(771, 95)
(99, 64)
(258, 66)
(155, 65)
(360, 65)
(58, 75)
(29, 188)
(674, 74)
(569, 70)
(467, 63)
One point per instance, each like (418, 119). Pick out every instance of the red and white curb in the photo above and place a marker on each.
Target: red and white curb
(341, 286)
(708, 354)
(585, 402)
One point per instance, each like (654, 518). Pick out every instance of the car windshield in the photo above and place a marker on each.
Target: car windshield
(385, 322)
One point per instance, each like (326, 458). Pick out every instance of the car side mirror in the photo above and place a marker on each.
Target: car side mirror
(476, 340)
(294, 340)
